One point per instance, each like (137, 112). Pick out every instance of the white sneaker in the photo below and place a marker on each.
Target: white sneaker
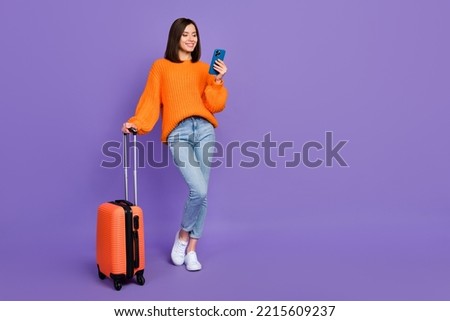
(191, 261)
(178, 250)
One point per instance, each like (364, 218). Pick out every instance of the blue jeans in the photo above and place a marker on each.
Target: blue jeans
(190, 144)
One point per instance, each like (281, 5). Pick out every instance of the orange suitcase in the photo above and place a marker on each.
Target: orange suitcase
(120, 235)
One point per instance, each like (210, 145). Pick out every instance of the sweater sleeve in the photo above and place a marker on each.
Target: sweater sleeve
(149, 105)
(215, 95)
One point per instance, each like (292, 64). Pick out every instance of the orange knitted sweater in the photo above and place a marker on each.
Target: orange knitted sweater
(178, 91)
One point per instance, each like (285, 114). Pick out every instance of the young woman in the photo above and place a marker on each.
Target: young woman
(180, 87)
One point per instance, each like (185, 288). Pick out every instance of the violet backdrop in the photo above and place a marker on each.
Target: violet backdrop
(375, 73)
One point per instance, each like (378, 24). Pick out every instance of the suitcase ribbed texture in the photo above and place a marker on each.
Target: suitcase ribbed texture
(111, 244)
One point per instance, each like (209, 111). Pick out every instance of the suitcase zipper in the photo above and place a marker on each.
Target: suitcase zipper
(129, 240)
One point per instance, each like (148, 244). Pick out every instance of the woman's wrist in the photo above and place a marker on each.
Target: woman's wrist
(218, 80)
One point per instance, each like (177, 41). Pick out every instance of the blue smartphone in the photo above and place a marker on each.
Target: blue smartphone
(217, 54)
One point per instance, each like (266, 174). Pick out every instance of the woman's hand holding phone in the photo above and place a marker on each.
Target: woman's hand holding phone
(221, 68)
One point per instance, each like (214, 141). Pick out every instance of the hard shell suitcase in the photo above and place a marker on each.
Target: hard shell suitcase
(120, 234)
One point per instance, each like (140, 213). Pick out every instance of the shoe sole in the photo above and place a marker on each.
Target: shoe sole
(193, 270)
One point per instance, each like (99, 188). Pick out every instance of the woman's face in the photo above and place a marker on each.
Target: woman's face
(188, 39)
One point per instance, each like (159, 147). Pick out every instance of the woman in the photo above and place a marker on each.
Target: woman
(180, 87)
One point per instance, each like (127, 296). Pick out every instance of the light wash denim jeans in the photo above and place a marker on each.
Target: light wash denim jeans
(190, 142)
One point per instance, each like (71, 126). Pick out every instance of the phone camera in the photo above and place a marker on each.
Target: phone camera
(217, 53)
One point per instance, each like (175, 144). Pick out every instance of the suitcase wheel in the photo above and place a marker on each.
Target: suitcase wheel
(140, 279)
(100, 274)
(117, 285)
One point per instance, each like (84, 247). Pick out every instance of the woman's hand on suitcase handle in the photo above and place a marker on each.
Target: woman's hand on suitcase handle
(128, 128)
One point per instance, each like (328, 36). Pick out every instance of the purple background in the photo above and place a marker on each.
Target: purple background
(375, 73)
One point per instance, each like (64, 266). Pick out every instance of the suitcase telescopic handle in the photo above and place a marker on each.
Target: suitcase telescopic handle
(125, 163)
